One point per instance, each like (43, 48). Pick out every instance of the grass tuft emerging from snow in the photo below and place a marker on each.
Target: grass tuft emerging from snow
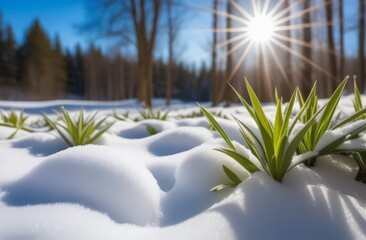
(80, 131)
(15, 120)
(285, 141)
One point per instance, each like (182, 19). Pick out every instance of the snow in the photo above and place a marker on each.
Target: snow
(331, 135)
(134, 185)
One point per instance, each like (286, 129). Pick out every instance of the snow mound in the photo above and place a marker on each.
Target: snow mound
(6, 132)
(191, 195)
(140, 130)
(40, 144)
(97, 177)
(261, 208)
(178, 140)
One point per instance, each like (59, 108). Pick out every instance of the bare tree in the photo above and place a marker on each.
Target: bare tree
(145, 46)
(306, 72)
(214, 95)
(133, 22)
(331, 49)
(361, 42)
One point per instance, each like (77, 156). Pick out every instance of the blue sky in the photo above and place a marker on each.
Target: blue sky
(56, 17)
(61, 16)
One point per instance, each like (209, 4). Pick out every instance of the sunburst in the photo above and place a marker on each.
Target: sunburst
(263, 29)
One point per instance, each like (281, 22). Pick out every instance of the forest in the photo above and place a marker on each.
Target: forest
(305, 42)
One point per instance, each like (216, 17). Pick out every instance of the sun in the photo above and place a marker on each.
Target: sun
(264, 29)
(261, 28)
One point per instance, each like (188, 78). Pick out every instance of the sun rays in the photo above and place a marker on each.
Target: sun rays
(264, 27)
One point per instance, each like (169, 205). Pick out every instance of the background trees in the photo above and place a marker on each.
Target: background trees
(133, 22)
(42, 68)
(144, 62)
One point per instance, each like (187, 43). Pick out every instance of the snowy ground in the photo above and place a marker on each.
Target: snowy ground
(133, 185)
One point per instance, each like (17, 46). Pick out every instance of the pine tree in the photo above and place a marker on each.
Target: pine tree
(79, 71)
(38, 70)
(96, 74)
(7, 54)
(59, 65)
(2, 48)
(10, 55)
(118, 78)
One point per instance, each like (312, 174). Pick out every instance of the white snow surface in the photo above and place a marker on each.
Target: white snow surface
(133, 185)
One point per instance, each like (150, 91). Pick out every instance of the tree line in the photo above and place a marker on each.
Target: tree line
(314, 50)
(41, 69)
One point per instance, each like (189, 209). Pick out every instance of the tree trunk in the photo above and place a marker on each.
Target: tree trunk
(361, 50)
(145, 46)
(169, 73)
(214, 97)
(144, 81)
(341, 40)
(287, 87)
(331, 49)
(306, 82)
(229, 58)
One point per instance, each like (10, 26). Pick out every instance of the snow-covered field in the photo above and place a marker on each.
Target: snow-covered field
(133, 185)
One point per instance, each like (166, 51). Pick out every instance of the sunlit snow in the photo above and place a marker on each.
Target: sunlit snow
(133, 185)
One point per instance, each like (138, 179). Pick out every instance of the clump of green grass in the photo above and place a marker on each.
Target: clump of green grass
(196, 114)
(82, 130)
(14, 120)
(121, 117)
(149, 113)
(279, 147)
(323, 124)
(360, 157)
(276, 146)
(357, 103)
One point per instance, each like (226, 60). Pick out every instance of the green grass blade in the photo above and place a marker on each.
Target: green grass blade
(350, 119)
(278, 124)
(231, 175)
(358, 102)
(329, 110)
(259, 153)
(260, 116)
(60, 132)
(217, 126)
(222, 186)
(245, 104)
(151, 130)
(304, 107)
(243, 161)
(293, 145)
(13, 134)
(102, 131)
(287, 114)
(336, 142)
